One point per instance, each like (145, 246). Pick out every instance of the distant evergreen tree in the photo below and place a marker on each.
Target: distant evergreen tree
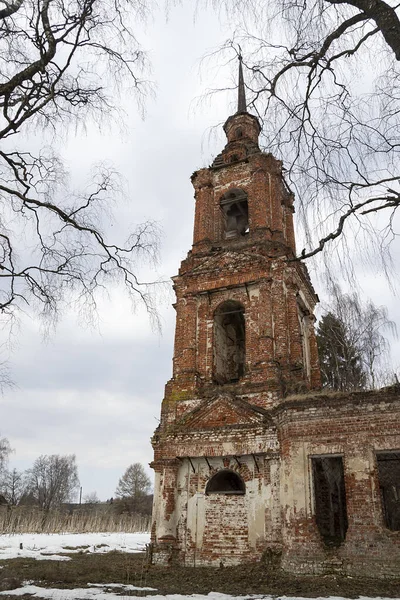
(353, 351)
(340, 361)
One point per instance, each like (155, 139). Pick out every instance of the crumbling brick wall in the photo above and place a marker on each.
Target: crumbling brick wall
(355, 427)
(273, 452)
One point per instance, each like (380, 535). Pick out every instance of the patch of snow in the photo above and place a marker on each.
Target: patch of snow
(63, 594)
(98, 592)
(124, 586)
(52, 546)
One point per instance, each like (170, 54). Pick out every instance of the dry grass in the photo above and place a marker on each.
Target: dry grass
(118, 567)
(21, 519)
(112, 567)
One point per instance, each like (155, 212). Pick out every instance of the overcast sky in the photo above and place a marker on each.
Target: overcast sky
(97, 392)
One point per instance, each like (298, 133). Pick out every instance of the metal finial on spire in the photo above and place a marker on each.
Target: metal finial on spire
(241, 90)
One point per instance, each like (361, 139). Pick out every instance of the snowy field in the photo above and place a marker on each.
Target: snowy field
(54, 546)
(59, 546)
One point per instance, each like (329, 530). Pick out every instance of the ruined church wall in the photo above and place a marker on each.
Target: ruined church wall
(355, 427)
(198, 529)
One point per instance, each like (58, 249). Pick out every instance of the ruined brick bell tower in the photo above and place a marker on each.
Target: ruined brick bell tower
(244, 340)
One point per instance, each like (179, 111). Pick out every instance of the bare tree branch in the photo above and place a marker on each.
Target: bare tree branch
(10, 8)
(324, 79)
(56, 61)
(384, 16)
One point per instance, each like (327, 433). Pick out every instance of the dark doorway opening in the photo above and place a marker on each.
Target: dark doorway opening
(330, 499)
(389, 483)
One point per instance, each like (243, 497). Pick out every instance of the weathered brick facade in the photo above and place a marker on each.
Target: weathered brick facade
(358, 427)
(234, 454)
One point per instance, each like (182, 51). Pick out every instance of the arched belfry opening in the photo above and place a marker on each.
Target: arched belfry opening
(229, 346)
(236, 213)
(226, 482)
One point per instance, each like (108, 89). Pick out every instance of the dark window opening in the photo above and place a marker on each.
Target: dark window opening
(330, 499)
(229, 342)
(226, 482)
(389, 483)
(236, 214)
(234, 158)
(239, 133)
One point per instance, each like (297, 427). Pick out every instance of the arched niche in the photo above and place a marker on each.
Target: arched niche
(305, 325)
(229, 342)
(236, 213)
(226, 482)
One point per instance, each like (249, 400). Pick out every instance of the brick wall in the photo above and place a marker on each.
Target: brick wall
(354, 426)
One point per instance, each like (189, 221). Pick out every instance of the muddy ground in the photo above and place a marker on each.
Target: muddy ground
(117, 567)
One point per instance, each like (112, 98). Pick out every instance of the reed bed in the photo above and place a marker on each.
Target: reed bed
(21, 519)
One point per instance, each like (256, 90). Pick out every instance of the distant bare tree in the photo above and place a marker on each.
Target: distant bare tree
(53, 480)
(324, 78)
(91, 498)
(14, 486)
(5, 450)
(6, 380)
(62, 63)
(133, 488)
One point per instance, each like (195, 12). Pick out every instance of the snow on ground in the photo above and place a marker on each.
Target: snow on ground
(96, 592)
(100, 592)
(52, 546)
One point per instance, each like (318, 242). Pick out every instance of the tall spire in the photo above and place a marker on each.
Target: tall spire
(241, 90)
(242, 124)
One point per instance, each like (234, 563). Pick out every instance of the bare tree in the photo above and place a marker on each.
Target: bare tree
(14, 486)
(53, 480)
(6, 380)
(62, 63)
(353, 348)
(91, 498)
(133, 488)
(324, 78)
(5, 450)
